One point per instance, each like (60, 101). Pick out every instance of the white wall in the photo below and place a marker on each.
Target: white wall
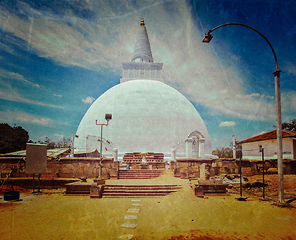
(251, 150)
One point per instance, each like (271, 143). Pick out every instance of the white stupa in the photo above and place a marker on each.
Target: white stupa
(147, 114)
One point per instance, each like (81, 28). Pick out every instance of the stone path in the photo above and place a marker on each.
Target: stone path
(131, 219)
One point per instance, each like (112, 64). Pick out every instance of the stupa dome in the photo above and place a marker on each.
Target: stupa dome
(147, 116)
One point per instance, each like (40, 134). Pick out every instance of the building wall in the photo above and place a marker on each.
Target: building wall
(251, 150)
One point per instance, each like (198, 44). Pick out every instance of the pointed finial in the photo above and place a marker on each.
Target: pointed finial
(142, 22)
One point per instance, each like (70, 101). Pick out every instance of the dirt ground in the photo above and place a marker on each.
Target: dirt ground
(181, 215)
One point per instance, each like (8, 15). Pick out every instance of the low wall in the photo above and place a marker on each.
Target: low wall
(190, 167)
(63, 168)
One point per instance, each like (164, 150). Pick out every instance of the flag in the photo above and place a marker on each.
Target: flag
(106, 149)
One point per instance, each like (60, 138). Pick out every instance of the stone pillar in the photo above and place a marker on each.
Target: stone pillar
(115, 154)
(204, 173)
(201, 152)
(188, 143)
(173, 154)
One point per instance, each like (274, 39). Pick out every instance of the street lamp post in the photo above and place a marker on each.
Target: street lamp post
(208, 37)
(108, 117)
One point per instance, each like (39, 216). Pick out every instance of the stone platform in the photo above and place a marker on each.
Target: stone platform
(160, 186)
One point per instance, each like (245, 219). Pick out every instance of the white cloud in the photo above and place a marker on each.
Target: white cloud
(17, 77)
(14, 96)
(59, 136)
(23, 117)
(227, 124)
(288, 101)
(88, 100)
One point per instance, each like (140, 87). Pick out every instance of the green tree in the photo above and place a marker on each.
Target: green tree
(12, 138)
(49, 143)
(290, 126)
(227, 152)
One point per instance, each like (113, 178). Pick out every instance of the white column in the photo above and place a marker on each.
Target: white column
(115, 154)
(201, 152)
(188, 143)
(173, 154)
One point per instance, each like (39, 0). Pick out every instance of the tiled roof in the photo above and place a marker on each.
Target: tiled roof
(268, 136)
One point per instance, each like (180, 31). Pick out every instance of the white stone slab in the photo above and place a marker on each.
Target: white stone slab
(130, 217)
(128, 225)
(136, 200)
(133, 210)
(137, 204)
(126, 236)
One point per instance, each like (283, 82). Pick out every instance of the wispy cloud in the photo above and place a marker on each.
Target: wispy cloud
(16, 97)
(88, 100)
(227, 124)
(10, 92)
(59, 136)
(289, 104)
(18, 77)
(23, 117)
(290, 68)
(102, 42)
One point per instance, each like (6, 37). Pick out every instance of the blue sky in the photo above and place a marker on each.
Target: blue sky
(58, 56)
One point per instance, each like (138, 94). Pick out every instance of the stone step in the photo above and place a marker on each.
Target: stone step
(134, 195)
(139, 174)
(134, 192)
(145, 187)
(142, 171)
(137, 177)
(111, 191)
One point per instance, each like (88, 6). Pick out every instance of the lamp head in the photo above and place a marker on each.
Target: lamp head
(208, 37)
(108, 117)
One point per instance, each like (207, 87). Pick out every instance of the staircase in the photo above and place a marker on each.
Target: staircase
(125, 191)
(139, 174)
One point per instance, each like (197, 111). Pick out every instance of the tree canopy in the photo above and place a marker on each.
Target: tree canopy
(12, 138)
(290, 125)
(65, 143)
(227, 152)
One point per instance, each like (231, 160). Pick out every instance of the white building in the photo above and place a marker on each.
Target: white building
(268, 141)
(147, 114)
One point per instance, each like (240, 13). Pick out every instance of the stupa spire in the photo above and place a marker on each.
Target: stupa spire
(142, 50)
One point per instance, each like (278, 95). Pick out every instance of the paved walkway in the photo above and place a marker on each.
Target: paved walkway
(166, 178)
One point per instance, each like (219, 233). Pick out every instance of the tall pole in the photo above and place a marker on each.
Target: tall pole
(101, 153)
(279, 135)
(108, 117)
(207, 39)
(263, 167)
(72, 145)
(233, 147)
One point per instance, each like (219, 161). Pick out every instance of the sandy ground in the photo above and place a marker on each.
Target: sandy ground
(181, 215)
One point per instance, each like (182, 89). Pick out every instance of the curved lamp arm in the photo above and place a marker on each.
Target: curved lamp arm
(208, 37)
